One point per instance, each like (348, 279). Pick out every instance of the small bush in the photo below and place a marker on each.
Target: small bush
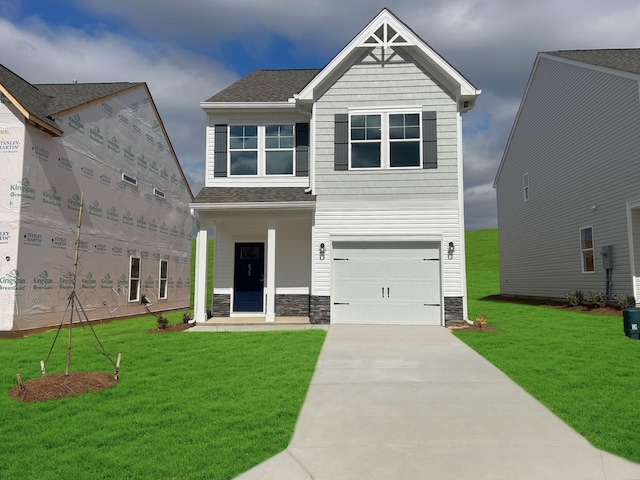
(575, 297)
(162, 322)
(626, 301)
(597, 299)
(186, 317)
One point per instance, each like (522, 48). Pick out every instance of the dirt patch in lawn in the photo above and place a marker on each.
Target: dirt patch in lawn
(50, 387)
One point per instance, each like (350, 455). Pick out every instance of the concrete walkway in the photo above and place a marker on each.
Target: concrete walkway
(402, 403)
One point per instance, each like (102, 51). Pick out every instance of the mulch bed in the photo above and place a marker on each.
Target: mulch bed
(176, 327)
(586, 307)
(49, 387)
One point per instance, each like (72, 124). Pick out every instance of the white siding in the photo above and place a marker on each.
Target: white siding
(577, 137)
(387, 220)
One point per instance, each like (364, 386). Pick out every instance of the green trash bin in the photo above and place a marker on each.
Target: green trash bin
(631, 322)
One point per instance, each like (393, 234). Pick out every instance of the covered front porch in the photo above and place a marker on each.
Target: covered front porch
(262, 255)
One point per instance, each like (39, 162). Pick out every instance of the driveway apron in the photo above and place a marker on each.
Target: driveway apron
(411, 402)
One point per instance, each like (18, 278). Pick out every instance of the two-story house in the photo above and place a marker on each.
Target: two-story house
(336, 194)
(93, 157)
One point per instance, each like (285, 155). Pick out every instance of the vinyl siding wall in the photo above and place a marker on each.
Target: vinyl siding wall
(387, 220)
(387, 203)
(370, 84)
(577, 137)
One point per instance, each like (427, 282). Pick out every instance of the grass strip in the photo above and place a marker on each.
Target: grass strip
(579, 365)
(189, 405)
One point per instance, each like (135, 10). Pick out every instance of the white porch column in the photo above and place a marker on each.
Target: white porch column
(271, 271)
(200, 286)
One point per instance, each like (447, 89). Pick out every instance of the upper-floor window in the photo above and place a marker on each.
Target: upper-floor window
(587, 250)
(385, 140)
(261, 150)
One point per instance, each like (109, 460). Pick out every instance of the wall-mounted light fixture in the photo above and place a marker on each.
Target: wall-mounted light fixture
(321, 251)
(452, 248)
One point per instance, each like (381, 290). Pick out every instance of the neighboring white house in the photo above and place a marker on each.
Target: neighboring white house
(103, 143)
(336, 194)
(567, 187)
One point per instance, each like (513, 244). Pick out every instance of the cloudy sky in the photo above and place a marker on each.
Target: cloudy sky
(188, 50)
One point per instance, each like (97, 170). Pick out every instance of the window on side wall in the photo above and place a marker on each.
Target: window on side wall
(525, 185)
(134, 279)
(163, 275)
(587, 250)
(385, 140)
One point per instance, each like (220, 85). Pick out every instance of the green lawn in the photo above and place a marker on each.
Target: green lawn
(188, 405)
(580, 365)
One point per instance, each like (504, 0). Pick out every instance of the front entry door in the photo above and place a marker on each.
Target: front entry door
(249, 277)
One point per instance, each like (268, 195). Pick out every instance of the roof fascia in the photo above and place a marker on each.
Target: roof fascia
(166, 136)
(227, 106)
(466, 89)
(33, 119)
(591, 66)
(515, 121)
(307, 205)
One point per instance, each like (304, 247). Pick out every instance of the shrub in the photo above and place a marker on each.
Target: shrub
(626, 301)
(186, 317)
(597, 299)
(162, 322)
(575, 297)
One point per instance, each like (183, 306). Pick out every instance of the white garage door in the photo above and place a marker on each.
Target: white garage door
(386, 283)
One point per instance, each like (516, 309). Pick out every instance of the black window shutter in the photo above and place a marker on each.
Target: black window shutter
(220, 151)
(341, 142)
(302, 149)
(429, 140)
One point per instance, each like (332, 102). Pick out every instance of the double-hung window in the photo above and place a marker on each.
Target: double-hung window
(587, 250)
(134, 279)
(163, 275)
(261, 150)
(243, 150)
(279, 146)
(390, 139)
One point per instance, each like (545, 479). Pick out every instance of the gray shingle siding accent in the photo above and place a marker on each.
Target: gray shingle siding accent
(302, 149)
(341, 142)
(220, 151)
(253, 194)
(429, 140)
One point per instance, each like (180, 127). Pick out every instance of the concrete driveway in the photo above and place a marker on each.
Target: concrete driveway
(394, 402)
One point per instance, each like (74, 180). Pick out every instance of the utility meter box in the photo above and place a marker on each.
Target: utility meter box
(607, 256)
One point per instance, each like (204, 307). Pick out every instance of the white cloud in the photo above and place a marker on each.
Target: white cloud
(491, 42)
(178, 80)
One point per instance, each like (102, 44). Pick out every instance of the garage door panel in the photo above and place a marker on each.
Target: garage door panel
(386, 282)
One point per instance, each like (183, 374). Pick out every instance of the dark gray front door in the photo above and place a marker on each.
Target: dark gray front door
(248, 277)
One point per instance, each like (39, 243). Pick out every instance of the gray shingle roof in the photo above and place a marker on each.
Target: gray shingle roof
(627, 59)
(64, 96)
(44, 101)
(253, 195)
(32, 99)
(266, 86)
